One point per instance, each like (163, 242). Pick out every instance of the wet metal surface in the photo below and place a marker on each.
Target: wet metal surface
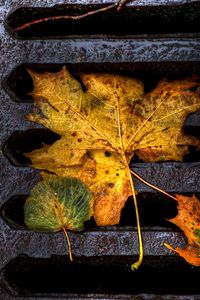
(174, 177)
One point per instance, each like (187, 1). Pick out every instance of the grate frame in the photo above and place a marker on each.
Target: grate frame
(181, 48)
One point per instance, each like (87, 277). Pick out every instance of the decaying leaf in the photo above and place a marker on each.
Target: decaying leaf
(105, 175)
(83, 119)
(101, 129)
(188, 219)
(57, 203)
(102, 126)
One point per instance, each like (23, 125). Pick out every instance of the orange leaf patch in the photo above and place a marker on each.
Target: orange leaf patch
(188, 220)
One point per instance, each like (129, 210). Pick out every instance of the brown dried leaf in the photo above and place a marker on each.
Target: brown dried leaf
(188, 220)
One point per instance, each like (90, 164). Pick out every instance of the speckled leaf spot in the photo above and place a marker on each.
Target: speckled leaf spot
(58, 203)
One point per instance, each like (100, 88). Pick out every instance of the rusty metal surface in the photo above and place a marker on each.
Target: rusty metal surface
(171, 176)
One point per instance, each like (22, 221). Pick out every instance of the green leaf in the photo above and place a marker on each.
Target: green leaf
(56, 203)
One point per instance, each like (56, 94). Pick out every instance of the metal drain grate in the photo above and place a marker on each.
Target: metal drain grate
(157, 40)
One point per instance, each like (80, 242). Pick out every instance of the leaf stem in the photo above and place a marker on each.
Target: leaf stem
(137, 264)
(151, 185)
(69, 243)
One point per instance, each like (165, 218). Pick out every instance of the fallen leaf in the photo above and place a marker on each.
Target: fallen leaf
(103, 127)
(162, 114)
(188, 220)
(105, 175)
(82, 119)
(57, 203)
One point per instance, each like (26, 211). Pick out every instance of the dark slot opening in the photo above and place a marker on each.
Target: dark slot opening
(154, 210)
(25, 141)
(135, 19)
(25, 276)
(19, 83)
(13, 213)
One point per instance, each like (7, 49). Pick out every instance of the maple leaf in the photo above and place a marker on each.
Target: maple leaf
(188, 219)
(103, 127)
(114, 116)
(159, 135)
(83, 119)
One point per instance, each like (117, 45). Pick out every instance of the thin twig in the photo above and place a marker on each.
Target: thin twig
(119, 5)
(151, 185)
(90, 13)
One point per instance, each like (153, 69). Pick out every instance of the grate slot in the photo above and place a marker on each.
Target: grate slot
(26, 141)
(19, 84)
(154, 209)
(27, 276)
(136, 19)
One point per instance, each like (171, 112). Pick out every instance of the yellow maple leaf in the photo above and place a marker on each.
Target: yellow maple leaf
(88, 121)
(101, 128)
